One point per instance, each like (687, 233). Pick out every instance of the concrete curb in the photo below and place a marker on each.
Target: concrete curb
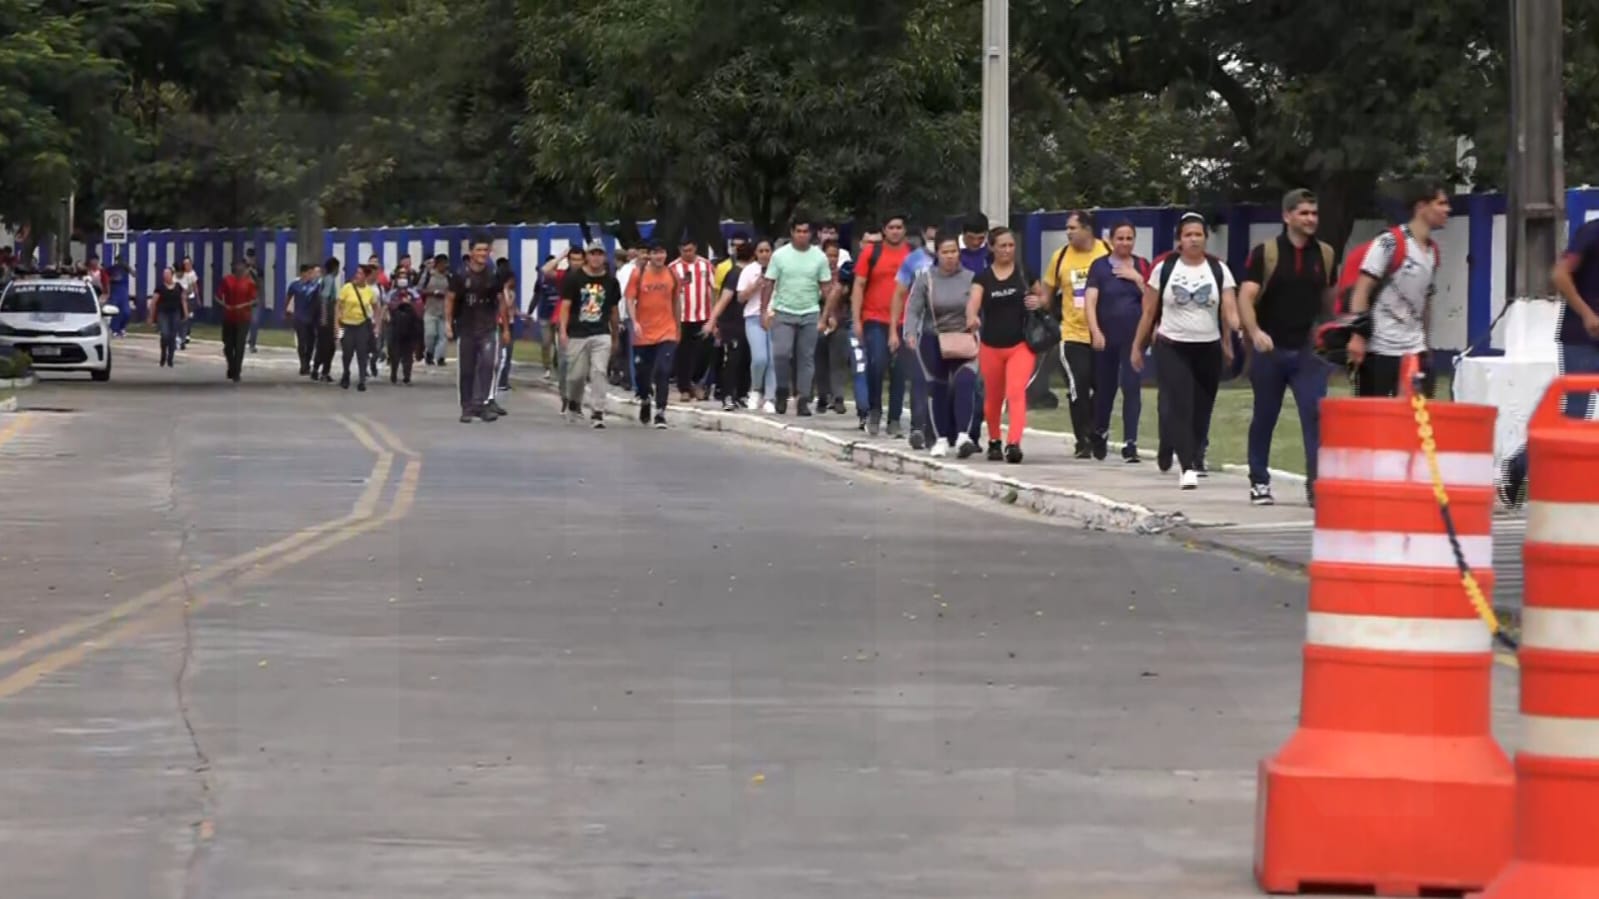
(1091, 510)
(20, 383)
(9, 404)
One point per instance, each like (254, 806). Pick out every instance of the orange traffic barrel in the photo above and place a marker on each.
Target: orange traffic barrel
(1556, 851)
(1393, 784)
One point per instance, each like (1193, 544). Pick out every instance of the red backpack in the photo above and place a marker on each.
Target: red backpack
(1349, 275)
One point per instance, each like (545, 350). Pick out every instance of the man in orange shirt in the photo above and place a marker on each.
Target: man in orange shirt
(870, 303)
(237, 295)
(655, 309)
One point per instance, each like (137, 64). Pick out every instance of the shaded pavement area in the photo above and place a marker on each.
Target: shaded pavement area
(282, 639)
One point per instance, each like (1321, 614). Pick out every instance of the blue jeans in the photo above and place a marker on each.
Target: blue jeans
(1270, 374)
(910, 362)
(1575, 359)
(255, 323)
(879, 365)
(763, 376)
(1113, 370)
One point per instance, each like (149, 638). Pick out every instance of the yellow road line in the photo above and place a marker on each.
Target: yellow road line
(404, 498)
(384, 432)
(205, 576)
(368, 501)
(20, 423)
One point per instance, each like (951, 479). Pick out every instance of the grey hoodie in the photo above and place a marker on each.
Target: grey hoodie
(937, 302)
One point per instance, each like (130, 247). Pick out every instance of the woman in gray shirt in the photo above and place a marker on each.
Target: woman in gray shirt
(935, 314)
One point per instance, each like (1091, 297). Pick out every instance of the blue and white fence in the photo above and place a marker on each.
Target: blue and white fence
(1471, 288)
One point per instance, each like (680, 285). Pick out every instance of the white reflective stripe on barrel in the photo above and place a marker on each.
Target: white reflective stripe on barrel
(1562, 738)
(1404, 466)
(1390, 634)
(1563, 524)
(1400, 549)
(1560, 630)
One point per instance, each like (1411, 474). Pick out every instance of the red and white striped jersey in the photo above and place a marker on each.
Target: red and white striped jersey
(694, 280)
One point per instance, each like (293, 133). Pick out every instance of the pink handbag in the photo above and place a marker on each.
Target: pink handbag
(957, 345)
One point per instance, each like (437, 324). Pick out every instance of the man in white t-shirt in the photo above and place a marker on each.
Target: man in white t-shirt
(1398, 296)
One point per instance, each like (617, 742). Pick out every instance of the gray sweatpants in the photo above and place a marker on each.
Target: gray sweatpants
(794, 352)
(587, 361)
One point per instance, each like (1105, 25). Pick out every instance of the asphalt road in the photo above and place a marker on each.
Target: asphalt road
(282, 639)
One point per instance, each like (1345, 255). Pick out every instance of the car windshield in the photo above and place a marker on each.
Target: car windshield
(47, 297)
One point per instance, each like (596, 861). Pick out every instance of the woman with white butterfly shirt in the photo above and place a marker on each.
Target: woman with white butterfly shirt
(1191, 295)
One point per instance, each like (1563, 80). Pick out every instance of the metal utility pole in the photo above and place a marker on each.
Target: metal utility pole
(994, 185)
(1536, 211)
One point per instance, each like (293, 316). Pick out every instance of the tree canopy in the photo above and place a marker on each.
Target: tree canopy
(230, 113)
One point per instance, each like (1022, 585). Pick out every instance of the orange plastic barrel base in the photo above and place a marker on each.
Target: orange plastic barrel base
(1524, 880)
(1384, 815)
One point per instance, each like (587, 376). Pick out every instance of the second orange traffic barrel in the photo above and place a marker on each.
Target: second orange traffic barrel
(1393, 783)
(1557, 765)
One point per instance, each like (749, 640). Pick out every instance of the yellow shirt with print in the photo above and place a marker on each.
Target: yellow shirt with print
(720, 275)
(355, 304)
(1073, 269)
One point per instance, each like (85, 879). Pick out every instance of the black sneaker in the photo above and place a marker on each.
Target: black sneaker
(1512, 481)
(804, 409)
(1101, 446)
(304, 372)
(838, 406)
(660, 421)
(394, 377)
(996, 451)
(872, 426)
(782, 403)
(728, 405)
(489, 415)
(1083, 451)
(467, 418)
(1260, 495)
(1130, 453)
(918, 440)
(429, 360)
(1200, 468)
(1163, 458)
(344, 382)
(360, 386)
(597, 421)
(966, 450)
(500, 410)
(1013, 454)
(643, 411)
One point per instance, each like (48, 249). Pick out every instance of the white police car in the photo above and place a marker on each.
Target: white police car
(59, 323)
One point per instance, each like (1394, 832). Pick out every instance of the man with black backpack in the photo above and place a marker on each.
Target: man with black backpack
(1286, 289)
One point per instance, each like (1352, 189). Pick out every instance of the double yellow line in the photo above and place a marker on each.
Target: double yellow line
(60, 647)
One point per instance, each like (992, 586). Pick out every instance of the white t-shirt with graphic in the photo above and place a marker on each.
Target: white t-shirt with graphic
(748, 277)
(1191, 303)
(1399, 311)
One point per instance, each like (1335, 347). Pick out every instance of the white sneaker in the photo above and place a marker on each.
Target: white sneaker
(755, 400)
(940, 449)
(769, 407)
(1189, 480)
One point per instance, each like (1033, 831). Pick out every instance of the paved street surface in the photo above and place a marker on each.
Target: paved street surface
(281, 639)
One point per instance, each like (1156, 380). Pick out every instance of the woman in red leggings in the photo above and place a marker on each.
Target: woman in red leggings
(1001, 297)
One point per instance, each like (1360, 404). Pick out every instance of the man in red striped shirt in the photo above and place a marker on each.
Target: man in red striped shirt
(695, 277)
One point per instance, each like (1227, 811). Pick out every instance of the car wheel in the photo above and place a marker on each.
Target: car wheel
(103, 374)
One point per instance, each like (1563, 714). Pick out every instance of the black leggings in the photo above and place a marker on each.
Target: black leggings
(1189, 375)
(733, 380)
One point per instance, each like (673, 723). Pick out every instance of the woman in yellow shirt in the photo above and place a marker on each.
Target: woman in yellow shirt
(357, 299)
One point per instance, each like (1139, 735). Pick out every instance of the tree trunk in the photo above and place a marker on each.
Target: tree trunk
(1343, 197)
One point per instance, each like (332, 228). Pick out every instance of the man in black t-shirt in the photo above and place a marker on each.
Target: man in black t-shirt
(472, 311)
(1285, 290)
(588, 322)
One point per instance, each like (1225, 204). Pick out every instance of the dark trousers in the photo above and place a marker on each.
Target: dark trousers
(1076, 360)
(622, 358)
(653, 367)
(506, 353)
(838, 356)
(323, 363)
(1379, 376)
(692, 357)
(1113, 371)
(910, 362)
(1270, 374)
(234, 335)
(400, 362)
(476, 366)
(357, 342)
(952, 391)
(305, 344)
(881, 365)
(1189, 375)
(255, 323)
(734, 376)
